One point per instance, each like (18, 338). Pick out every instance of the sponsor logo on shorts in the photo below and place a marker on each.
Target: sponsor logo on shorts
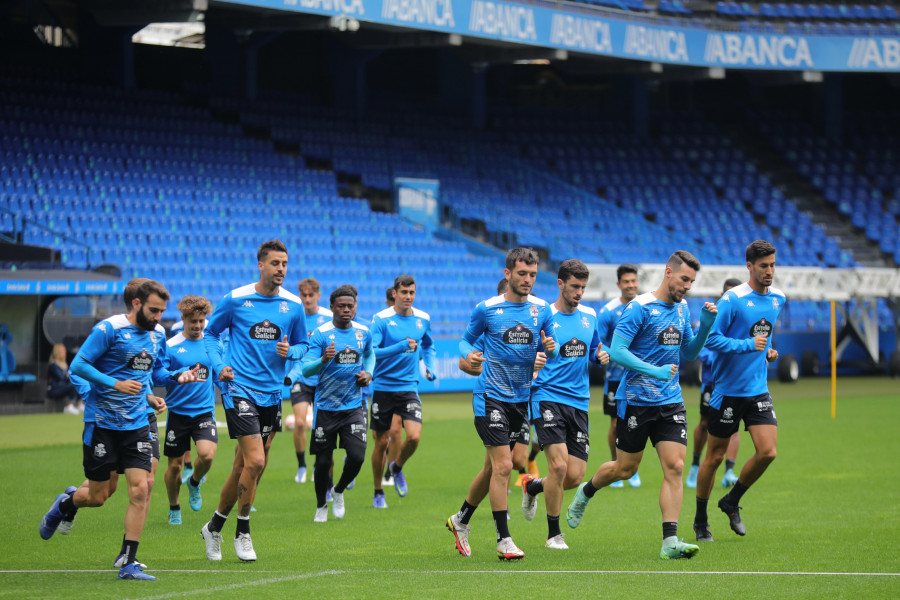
(518, 335)
(144, 447)
(99, 450)
(356, 428)
(761, 327)
(374, 408)
(632, 422)
(265, 331)
(244, 409)
(411, 406)
(679, 419)
(764, 406)
(141, 362)
(669, 337)
(320, 434)
(727, 416)
(170, 437)
(495, 419)
(548, 415)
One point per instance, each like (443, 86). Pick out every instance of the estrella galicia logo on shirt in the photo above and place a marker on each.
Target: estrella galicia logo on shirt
(670, 337)
(141, 362)
(267, 330)
(761, 327)
(518, 335)
(574, 348)
(347, 356)
(202, 371)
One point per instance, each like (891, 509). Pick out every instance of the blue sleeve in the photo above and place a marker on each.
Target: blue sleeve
(378, 338)
(691, 349)
(218, 322)
(620, 353)
(428, 353)
(82, 368)
(595, 343)
(547, 325)
(312, 362)
(161, 373)
(368, 356)
(294, 371)
(96, 344)
(299, 339)
(603, 323)
(475, 328)
(718, 341)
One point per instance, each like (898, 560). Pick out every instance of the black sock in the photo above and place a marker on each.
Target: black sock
(465, 513)
(670, 528)
(193, 481)
(729, 464)
(129, 549)
(217, 522)
(701, 517)
(535, 486)
(301, 459)
(387, 473)
(696, 461)
(533, 454)
(379, 492)
(521, 471)
(501, 524)
(67, 507)
(123, 548)
(553, 526)
(395, 468)
(589, 490)
(174, 507)
(243, 525)
(734, 496)
(189, 465)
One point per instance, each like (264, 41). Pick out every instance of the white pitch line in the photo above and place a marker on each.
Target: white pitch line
(234, 586)
(239, 571)
(461, 572)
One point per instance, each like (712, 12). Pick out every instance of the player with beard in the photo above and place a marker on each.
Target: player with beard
(742, 338)
(267, 328)
(652, 333)
(627, 282)
(118, 359)
(512, 325)
(341, 354)
(560, 397)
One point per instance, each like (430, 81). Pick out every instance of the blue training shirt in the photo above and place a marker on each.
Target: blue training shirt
(295, 368)
(397, 369)
(257, 323)
(565, 378)
(743, 314)
(607, 319)
(337, 389)
(707, 359)
(120, 351)
(657, 331)
(512, 334)
(192, 399)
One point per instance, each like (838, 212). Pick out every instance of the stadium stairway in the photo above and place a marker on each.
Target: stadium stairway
(783, 174)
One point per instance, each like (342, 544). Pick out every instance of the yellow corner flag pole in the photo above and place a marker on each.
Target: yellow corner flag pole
(833, 363)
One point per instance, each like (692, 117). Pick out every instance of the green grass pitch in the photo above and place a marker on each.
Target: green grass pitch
(824, 521)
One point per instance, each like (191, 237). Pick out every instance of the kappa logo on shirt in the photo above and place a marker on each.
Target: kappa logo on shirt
(392, 323)
(750, 303)
(102, 327)
(248, 304)
(499, 311)
(126, 335)
(654, 312)
(556, 325)
(182, 351)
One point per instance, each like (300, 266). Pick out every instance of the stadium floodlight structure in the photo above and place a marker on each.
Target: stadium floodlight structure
(839, 286)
